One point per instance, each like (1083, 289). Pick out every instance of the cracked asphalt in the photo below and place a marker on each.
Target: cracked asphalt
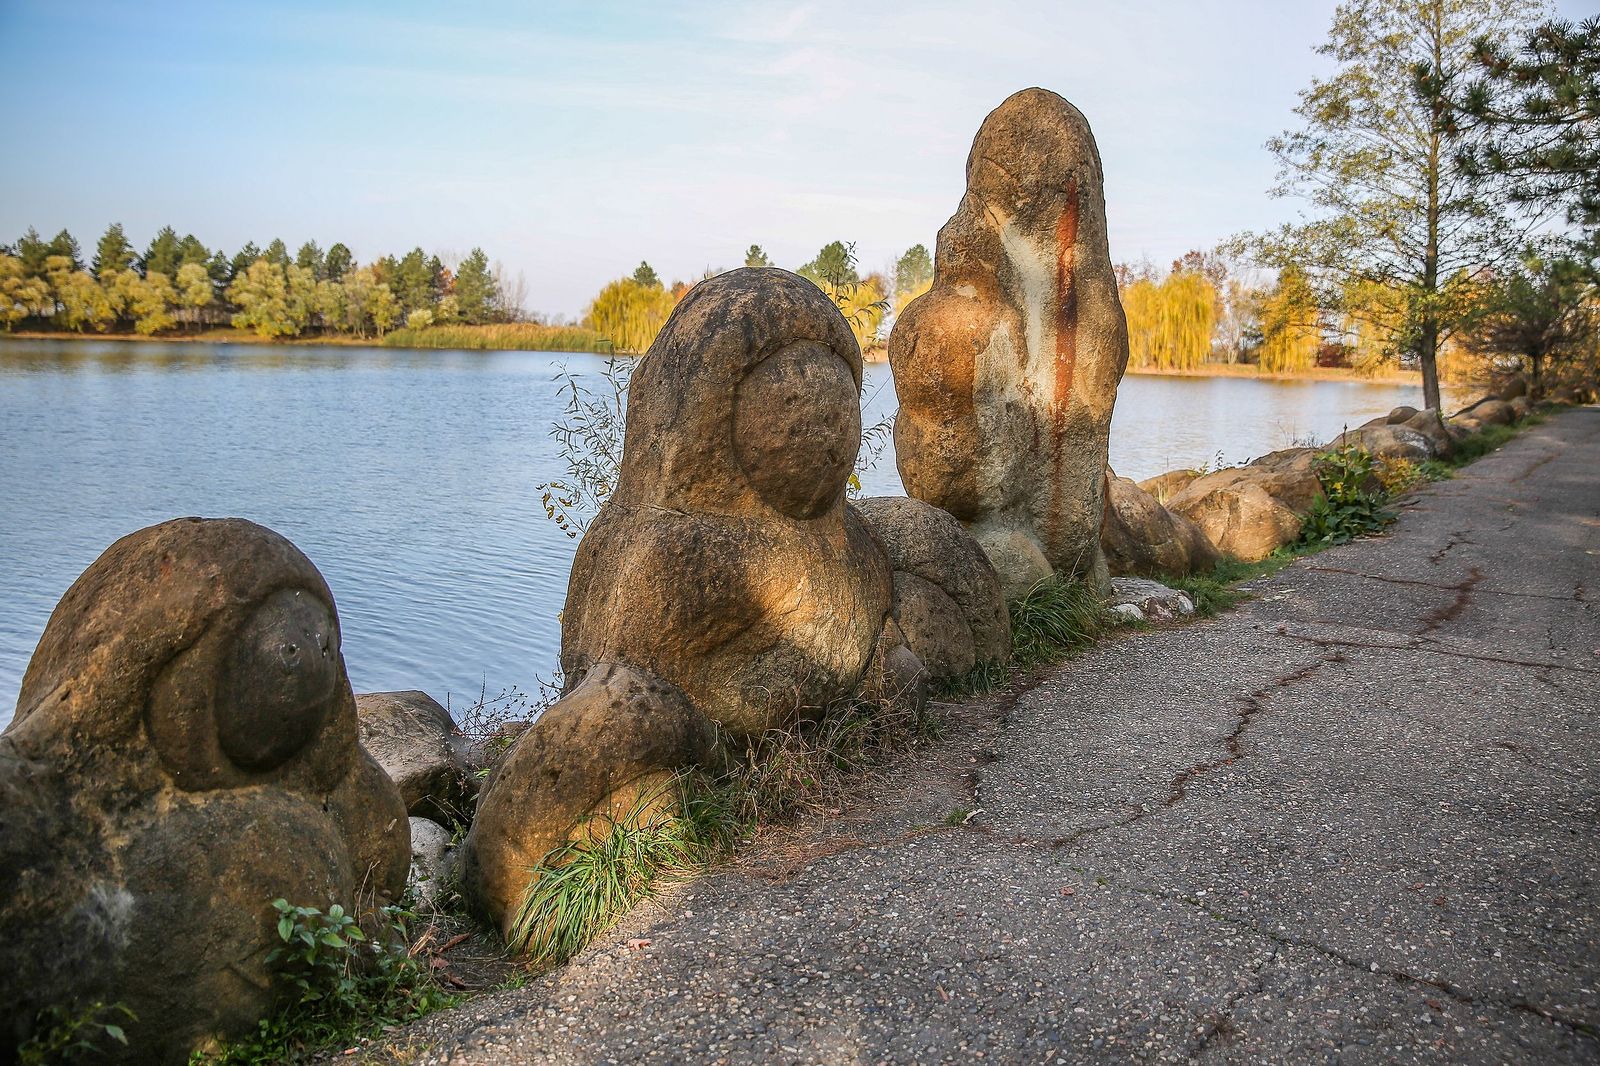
(1352, 821)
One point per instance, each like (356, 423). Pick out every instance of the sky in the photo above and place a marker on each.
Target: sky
(572, 140)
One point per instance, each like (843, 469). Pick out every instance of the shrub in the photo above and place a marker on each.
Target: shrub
(1346, 509)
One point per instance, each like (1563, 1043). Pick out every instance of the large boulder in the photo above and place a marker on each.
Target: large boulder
(1251, 511)
(1007, 368)
(1489, 412)
(1512, 388)
(726, 562)
(183, 753)
(1165, 486)
(604, 752)
(1141, 537)
(417, 744)
(1390, 442)
(947, 596)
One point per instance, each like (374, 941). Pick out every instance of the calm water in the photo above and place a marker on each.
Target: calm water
(411, 480)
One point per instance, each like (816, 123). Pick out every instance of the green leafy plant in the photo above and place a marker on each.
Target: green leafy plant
(71, 1035)
(344, 983)
(1348, 507)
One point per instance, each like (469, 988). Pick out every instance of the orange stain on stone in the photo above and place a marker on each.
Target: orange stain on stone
(1066, 301)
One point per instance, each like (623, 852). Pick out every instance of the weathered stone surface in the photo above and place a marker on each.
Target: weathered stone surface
(184, 751)
(1390, 442)
(1513, 387)
(430, 860)
(417, 744)
(1165, 486)
(1251, 511)
(1007, 368)
(1491, 412)
(1520, 408)
(1140, 536)
(928, 544)
(616, 737)
(896, 677)
(1150, 600)
(726, 562)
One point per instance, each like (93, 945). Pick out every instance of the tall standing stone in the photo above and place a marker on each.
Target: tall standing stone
(1007, 368)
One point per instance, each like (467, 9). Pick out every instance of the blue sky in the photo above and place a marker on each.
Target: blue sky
(572, 140)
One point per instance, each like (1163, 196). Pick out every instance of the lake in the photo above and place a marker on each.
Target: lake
(411, 479)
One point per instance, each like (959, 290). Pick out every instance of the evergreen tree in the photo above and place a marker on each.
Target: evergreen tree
(834, 268)
(339, 261)
(65, 244)
(33, 250)
(241, 261)
(190, 250)
(914, 270)
(277, 253)
(163, 256)
(113, 254)
(474, 290)
(646, 275)
(412, 282)
(1533, 117)
(756, 256)
(310, 257)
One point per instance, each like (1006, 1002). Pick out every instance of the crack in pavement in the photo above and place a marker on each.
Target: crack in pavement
(1418, 642)
(1178, 788)
(1370, 966)
(1451, 611)
(1440, 585)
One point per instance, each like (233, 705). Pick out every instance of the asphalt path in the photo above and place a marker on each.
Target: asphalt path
(1352, 821)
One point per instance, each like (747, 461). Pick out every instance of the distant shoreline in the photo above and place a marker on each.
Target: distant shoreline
(877, 355)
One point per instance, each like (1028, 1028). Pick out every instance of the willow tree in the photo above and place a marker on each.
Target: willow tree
(1170, 322)
(1389, 201)
(630, 313)
(1291, 328)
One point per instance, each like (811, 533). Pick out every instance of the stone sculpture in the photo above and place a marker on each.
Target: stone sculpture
(1007, 368)
(184, 751)
(726, 561)
(725, 588)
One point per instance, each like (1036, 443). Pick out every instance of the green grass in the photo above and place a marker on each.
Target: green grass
(1054, 620)
(510, 336)
(581, 890)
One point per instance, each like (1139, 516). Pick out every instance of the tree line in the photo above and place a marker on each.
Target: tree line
(178, 283)
(631, 310)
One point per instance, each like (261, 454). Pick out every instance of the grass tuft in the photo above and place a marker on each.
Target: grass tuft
(581, 889)
(1054, 620)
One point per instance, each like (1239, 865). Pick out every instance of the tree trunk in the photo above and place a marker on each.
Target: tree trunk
(1534, 374)
(1427, 353)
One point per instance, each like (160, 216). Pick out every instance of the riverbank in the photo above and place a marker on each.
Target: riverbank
(1391, 376)
(536, 337)
(1268, 836)
(506, 337)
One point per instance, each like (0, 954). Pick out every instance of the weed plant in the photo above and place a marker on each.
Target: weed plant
(1347, 508)
(83, 1034)
(345, 984)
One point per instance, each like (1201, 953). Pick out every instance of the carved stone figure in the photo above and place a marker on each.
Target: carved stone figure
(184, 752)
(724, 589)
(726, 562)
(1007, 368)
